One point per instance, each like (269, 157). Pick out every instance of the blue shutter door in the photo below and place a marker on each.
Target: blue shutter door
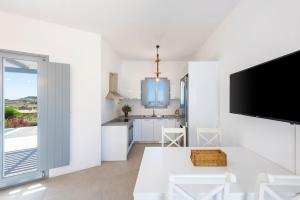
(58, 115)
(163, 93)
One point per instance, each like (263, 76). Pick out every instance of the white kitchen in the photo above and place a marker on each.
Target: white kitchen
(134, 83)
(149, 100)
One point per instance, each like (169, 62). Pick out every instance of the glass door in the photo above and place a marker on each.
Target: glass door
(20, 138)
(20, 117)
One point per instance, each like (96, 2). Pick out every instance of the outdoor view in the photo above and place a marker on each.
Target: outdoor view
(20, 124)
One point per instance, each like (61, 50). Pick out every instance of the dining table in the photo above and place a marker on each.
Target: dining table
(158, 163)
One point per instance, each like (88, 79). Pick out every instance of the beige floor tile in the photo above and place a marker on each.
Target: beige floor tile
(110, 181)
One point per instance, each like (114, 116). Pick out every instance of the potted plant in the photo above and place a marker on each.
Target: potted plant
(126, 109)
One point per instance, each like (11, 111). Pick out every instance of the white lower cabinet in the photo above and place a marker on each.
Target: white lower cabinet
(177, 123)
(169, 123)
(158, 124)
(137, 130)
(150, 129)
(114, 143)
(147, 130)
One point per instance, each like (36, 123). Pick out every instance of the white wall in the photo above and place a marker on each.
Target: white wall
(110, 63)
(256, 31)
(133, 71)
(82, 50)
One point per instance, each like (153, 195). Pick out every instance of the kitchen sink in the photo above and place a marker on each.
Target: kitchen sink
(151, 116)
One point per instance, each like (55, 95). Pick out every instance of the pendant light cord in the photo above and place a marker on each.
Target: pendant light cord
(157, 62)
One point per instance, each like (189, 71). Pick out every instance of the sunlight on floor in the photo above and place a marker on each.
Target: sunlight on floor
(38, 187)
(34, 191)
(34, 186)
(14, 192)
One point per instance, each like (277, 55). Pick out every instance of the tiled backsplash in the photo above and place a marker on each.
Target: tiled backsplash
(138, 109)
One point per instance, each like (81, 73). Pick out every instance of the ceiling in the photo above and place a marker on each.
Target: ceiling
(134, 27)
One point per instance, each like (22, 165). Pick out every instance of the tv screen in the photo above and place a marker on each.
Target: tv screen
(269, 90)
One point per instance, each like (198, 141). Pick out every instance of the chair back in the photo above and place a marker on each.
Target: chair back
(220, 182)
(207, 137)
(266, 181)
(175, 136)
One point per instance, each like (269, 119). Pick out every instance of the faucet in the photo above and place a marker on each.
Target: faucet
(153, 113)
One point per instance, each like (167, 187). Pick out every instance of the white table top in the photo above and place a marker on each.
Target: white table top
(159, 163)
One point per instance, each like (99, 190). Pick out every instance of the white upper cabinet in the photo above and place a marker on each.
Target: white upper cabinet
(130, 87)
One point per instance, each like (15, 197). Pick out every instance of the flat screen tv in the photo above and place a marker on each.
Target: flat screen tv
(269, 90)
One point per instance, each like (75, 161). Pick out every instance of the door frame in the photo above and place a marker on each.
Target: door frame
(42, 171)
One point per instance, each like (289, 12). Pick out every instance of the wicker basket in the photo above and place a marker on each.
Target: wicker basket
(209, 158)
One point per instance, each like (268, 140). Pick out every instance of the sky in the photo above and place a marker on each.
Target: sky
(19, 85)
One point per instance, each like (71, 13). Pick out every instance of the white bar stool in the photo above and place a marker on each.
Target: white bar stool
(266, 181)
(220, 186)
(174, 135)
(206, 137)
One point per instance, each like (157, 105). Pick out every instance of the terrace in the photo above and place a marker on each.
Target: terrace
(20, 150)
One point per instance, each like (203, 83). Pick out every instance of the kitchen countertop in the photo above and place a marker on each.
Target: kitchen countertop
(129, 119)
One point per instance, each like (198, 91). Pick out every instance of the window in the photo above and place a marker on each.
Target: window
(155, 94)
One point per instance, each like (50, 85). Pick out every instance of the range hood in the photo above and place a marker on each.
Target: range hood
(113, 88)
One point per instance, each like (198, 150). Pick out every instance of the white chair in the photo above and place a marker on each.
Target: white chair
(219, 182)
(266, 181)
(206, 137)
(174, 135)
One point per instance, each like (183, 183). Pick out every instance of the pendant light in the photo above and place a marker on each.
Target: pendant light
(157, 64)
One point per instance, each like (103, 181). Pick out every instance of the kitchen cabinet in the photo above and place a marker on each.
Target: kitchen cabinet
(151, 130)
(169, 123)
(137, 130)
(115, 142)
(158, 124)
(177, 123)
(147, 130)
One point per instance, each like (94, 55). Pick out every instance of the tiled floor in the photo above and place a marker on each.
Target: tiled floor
(110, 181)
